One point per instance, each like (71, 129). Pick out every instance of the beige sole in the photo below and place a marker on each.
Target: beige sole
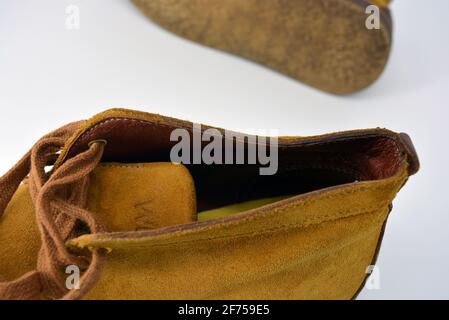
(323, 43)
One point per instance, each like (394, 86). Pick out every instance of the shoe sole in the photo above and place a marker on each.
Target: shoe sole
(323, 43)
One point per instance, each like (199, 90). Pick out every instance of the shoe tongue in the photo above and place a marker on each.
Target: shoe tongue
(132, 197)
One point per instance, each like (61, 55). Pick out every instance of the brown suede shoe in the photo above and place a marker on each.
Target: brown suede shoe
(325, 44)
(139, 226)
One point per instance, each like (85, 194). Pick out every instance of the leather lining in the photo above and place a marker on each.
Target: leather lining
(304, 164)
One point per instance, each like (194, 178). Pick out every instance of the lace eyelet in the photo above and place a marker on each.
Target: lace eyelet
(103, 141)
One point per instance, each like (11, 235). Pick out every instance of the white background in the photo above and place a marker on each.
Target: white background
(50, 76)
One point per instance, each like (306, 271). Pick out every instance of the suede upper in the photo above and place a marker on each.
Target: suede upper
(315, 244)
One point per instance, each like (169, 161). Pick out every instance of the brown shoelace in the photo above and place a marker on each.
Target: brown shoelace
(60, 199)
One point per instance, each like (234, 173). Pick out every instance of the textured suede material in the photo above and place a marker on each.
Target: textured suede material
(314, 245)
(322, 43)
(323, 261)
(19, 236)
(126, 197)
(145, 196)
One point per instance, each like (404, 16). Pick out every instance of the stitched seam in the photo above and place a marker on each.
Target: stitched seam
(267, 214)
(148, 122)
(333, 194)
(261, 215)
(306, 222)
(269, 231)
(88, 132)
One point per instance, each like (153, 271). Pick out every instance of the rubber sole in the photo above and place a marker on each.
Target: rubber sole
(323, 43)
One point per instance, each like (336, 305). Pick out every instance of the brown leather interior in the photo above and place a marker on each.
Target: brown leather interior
(304, 164)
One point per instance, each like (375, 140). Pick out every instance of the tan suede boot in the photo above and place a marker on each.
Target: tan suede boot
(139, 226)
(324, 43)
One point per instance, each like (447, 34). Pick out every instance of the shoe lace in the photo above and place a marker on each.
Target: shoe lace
(60, 199)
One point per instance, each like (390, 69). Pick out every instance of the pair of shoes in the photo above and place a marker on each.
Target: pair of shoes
(323, 43)
(141, 206)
